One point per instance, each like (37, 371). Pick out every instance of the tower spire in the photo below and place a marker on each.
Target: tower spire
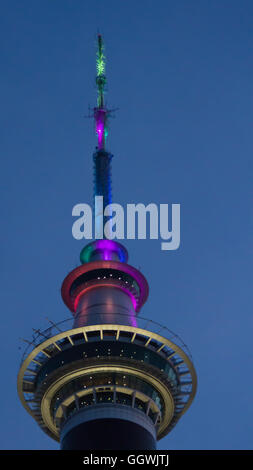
(101, 157)
(100, 111)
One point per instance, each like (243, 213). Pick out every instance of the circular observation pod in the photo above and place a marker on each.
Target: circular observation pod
(104, 287)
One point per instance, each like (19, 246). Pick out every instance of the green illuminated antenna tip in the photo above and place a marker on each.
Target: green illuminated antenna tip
(100, 57)
(100, 79)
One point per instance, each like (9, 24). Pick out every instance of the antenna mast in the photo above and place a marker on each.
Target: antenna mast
(100, 112)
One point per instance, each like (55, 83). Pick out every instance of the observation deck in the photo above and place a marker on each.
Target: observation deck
(146, 368)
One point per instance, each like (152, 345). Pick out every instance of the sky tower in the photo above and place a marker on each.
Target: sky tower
(111, 379)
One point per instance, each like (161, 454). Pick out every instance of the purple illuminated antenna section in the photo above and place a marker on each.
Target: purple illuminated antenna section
(101, 130)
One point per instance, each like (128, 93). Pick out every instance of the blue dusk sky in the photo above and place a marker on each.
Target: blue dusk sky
(181, 74)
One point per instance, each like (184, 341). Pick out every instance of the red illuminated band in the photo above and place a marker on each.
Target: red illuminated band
(123, 267)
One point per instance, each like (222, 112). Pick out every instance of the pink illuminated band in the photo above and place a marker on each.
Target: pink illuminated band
(103, 284)
(119, 266)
